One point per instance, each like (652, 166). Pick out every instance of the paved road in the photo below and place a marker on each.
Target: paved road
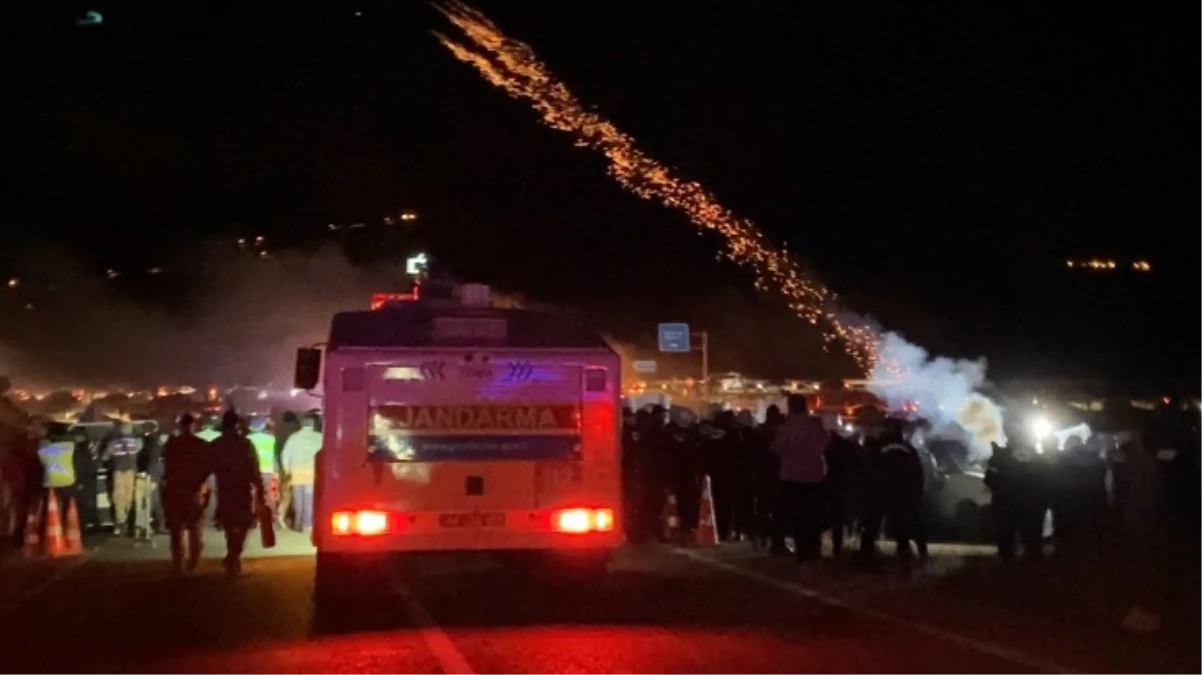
(660, 611)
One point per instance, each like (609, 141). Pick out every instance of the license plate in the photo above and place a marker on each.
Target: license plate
(471, 520)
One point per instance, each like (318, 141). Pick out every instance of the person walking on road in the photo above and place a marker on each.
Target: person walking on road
(240, 492)
(122, 451)
(186, 466)
(209, 433)
(289, 425)
(800, 444)
(299, 462)
(151, 464)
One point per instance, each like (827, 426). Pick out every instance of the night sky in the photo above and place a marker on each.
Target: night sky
(937, 165)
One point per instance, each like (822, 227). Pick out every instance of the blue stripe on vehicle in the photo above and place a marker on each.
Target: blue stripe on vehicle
(467, 448)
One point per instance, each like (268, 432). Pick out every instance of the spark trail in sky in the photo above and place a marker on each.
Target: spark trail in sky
(513, 66)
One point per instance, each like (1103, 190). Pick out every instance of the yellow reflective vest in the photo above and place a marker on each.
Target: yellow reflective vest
(58, 464)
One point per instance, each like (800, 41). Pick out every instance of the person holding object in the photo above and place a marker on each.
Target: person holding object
(240, 492)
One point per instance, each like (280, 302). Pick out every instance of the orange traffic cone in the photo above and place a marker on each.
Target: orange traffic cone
(670, 518)
(74, 537)
(56, 545)
(707, 529)
(33, 534)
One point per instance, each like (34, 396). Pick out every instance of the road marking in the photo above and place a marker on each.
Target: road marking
(449, 657)
(999, 651)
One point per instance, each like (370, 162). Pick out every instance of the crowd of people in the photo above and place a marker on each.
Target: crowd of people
(128, 480)
(793, 475)
(787, 476)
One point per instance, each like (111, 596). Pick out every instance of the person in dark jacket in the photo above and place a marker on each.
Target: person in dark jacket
(769, 509)
(122, 451)
(240, 490)
(1079, 485)
(1002, 481)
(842, 454)
(901, 476)
(85, 481)
(684, 468)
(187, 462)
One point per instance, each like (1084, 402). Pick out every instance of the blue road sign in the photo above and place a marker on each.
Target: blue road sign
(674, 337)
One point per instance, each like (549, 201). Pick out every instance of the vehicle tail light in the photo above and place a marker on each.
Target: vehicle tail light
(580, 521)
(603, 520)
(362, 523)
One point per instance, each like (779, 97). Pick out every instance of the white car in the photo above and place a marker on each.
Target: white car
(955, 492)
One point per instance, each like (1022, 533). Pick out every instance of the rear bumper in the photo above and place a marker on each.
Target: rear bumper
(486, 540)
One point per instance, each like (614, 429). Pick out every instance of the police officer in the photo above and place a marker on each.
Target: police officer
(57, 456)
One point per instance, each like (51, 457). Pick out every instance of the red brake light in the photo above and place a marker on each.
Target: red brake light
(362, 523)
(572, 520)
(581, 521)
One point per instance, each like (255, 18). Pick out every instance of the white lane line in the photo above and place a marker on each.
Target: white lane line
(449, 657)
(992, 649)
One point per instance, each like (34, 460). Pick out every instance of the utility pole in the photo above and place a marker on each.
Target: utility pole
(705, 362)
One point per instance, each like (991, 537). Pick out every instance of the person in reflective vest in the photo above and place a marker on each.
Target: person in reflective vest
(261, 437)
(57, 457)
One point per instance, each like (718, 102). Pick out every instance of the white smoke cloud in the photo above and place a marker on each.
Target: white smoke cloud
(946, 391)
(241, 322)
